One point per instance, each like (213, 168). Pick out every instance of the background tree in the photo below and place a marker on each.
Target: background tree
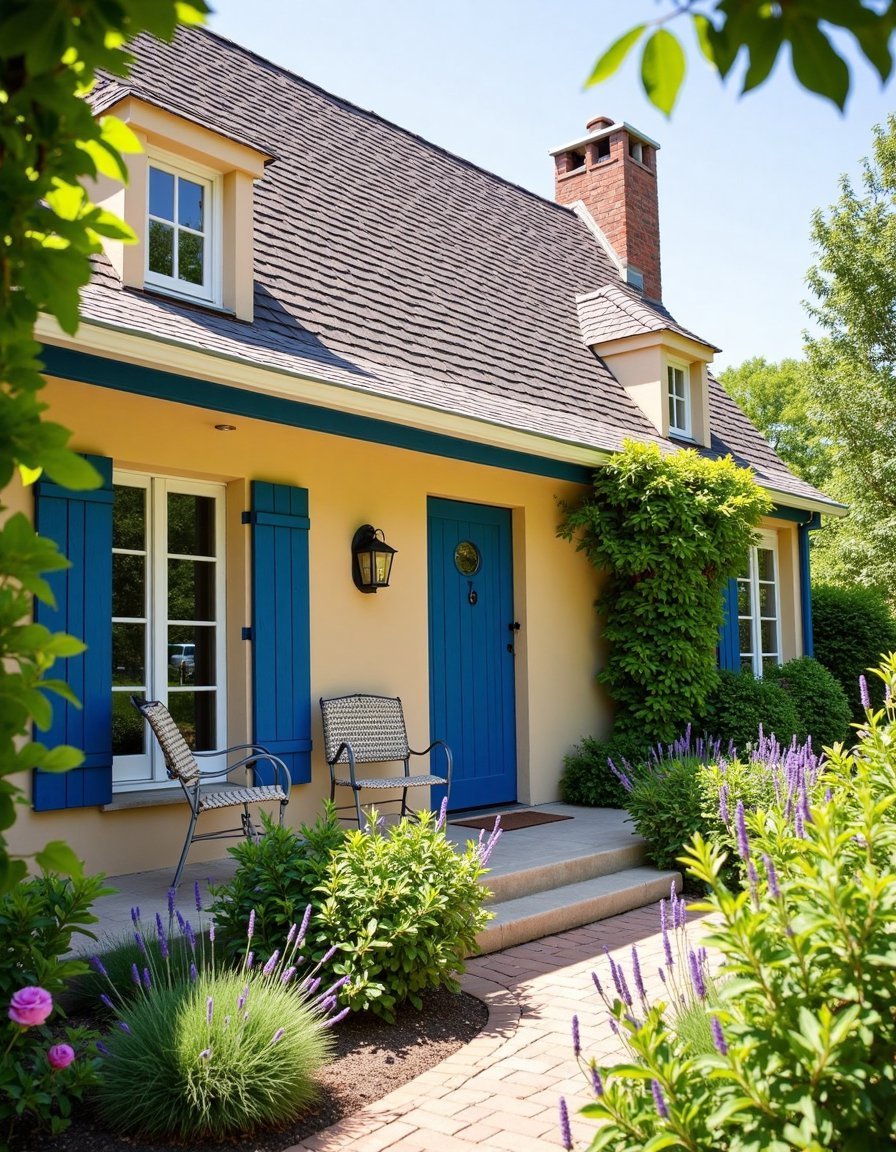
(853, 363)
(49, 145)
(778, 399)
(757, 30)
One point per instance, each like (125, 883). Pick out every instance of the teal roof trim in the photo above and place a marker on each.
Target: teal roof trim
(105, 373)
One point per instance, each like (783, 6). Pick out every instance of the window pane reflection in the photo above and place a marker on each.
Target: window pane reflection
(191, 656)
(128, 727)
(128, 585)
(194, 714)
(161, 248)
(129, 654)
(161, 194)
(129, 518)
(191, 590)
(191, 524)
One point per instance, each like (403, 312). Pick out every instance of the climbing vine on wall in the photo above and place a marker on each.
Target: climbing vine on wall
(669, 531)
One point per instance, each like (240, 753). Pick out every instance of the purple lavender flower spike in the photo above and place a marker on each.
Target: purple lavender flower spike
(211, 931)
(197, 895)
(636, 973)
(242, 999)
(104, 999)
(799, 828)
(697, 976)
(98, 965)
(864, 694)
(306, 920)
(209, 1009)
(659, 1100)
(614, 1027)
(278, 1035)
(205, 1054)
(576, 1038)
(172, 896)
(752, 875)
(681, 912)
(191, 935)
(596, 1083)
(291, 934)
(162, 938)
(135, 916)
(662, 974)
(193, 973)
(718, 1036)
(101, 1048)
(135, 974)
(147, 978)
(123, 1025)
(251, 927)
(329, 954)
(565, 1131)
(181, 923)
(740, 824)
(272, 963)
(288, 974)
(772, 875)
(597, 984)
(626, 995)
(443, 814)
(138, 936)
(620, 776)
(723, 805)
(335, 1019)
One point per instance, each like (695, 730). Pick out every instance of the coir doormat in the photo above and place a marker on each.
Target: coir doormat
(510, 821)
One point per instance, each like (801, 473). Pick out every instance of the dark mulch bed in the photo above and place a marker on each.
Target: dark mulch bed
(371, 1059)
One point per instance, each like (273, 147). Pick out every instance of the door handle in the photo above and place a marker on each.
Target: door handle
(514, 627)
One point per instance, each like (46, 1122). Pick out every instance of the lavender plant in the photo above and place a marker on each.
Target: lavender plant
(202, 1050)
(804, 1030)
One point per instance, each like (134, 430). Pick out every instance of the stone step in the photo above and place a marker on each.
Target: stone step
(525, 881)
(556, 909)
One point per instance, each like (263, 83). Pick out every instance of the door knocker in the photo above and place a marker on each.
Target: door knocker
(472, 595)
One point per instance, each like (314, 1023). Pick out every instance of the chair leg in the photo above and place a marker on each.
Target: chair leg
(357, 794)
(186, 849)
(249, 829)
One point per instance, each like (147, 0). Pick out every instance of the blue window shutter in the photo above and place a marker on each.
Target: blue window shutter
(81, 525)
(281, 641)
(729, 634)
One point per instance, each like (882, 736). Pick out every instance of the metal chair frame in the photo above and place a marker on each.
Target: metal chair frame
(363, 728)
(181, 765)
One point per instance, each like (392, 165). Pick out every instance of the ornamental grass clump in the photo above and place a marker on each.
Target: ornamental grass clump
(804, 1026)
(204, 1051)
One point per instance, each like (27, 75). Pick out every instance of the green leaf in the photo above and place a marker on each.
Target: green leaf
(58, 857)
(119, 136)
(704, 30)
(662, 69)
(611, 60)
(70, 470)
(817, 65)
(763, 48)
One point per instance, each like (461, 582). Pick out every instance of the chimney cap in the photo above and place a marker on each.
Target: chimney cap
(604, 126)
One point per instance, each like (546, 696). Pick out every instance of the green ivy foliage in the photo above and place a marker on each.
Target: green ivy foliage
(49, 144)
(669, 531)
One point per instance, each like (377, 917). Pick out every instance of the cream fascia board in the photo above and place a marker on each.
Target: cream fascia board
(136, 348)
(663, 338)
(185, 137)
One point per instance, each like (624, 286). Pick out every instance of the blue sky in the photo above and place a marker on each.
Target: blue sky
(500, 82)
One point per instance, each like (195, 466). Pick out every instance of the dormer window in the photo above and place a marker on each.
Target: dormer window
(678, 400)
(180, 250)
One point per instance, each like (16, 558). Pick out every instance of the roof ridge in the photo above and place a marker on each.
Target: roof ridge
(376, 116)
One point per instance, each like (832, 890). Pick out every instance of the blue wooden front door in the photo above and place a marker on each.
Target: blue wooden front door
(471, 640)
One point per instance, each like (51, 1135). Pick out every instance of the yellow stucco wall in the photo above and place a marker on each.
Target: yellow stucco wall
(367, 643)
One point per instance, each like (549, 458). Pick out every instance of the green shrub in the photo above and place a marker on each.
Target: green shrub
(587, 778)
(740, 703)
(276, 879)
(38, 918)
(820, 701)
(804, 1032)
(665, 805)
(405, 907)
(851, 627)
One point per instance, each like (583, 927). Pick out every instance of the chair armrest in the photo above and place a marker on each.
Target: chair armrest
(344, 747)
(282, 777)
(437, 744)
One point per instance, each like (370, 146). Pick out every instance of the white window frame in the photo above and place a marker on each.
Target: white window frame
(768, 541)
(146, 770)
(210, 291)
(673, 398)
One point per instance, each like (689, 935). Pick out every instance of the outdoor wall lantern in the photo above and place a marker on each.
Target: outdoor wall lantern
(371, 559)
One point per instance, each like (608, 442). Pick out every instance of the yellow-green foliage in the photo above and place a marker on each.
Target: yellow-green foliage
(670, 531)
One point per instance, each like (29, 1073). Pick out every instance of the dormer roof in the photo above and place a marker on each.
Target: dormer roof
(613, 312)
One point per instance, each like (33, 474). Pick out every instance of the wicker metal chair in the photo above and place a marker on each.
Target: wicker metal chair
(365, 729)
(181, 764)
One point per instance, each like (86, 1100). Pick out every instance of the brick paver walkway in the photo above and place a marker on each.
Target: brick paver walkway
(501, 1091)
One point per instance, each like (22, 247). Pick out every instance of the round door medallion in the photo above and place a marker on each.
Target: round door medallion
(467, 559)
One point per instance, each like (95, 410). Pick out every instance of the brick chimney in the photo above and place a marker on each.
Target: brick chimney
(612, 171)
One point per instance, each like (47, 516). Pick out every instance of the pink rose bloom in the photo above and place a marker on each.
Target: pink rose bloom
(30, 1006)
(60, 1055)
